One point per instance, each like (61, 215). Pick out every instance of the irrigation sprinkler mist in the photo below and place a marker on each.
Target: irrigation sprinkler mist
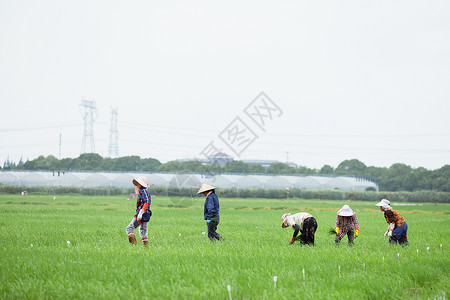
(303, 271)
(339, 270)
(229, 290)
(398, 255)
(31, 245)
(68, 243)
(274, 281)
(428, 249)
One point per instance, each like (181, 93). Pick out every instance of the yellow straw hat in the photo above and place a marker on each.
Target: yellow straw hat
(205, 187)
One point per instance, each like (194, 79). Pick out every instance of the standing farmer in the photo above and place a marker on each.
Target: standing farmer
(303, 222)
(398, 228)
(346, 224)
(143, 212)
(211, 210)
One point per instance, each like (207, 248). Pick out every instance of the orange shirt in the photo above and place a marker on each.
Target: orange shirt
(393, 217)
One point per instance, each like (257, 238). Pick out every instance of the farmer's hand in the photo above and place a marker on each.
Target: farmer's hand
(391, 226)
(292, 240)
(337, 230)
(139, 216)
(356, 232)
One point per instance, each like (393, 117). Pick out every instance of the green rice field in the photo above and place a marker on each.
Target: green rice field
(75, 247)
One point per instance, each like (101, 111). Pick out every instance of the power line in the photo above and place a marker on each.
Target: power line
(40, 127)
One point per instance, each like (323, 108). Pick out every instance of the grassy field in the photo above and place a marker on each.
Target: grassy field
(181, 263)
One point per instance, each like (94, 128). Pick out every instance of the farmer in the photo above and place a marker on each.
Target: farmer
(346, 224)
(303, 222)
(143, 212)
(397, 225)
(211, 210)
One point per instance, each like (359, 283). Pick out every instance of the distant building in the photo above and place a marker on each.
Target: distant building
(267, 163)
(220, 158)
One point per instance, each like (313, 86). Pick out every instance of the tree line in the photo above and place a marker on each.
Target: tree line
(397, 177)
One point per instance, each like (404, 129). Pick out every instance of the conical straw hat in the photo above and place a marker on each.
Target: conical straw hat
(141, 180)
(345, 211)
(205, 187)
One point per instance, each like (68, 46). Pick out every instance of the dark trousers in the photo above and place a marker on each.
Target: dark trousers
(309, 229)
(351, 237)
(212, 227)
(400, 235)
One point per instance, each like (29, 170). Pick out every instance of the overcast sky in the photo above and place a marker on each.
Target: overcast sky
(344, 79)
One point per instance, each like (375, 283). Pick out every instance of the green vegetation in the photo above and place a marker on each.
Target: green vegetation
(37, 262)
(335, 194)
(398, 177)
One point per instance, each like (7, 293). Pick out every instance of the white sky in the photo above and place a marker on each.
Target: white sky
(354, 79)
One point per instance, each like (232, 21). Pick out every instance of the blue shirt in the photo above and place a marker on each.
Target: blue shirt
(211, 206)
(143, 197)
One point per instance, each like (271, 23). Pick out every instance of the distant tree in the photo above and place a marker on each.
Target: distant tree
(326, 169)
(87, 162)
(280, 168)
(150, 164)
(305, 170)
(127, 163)
(170, 166)
(440, 179)
(236, 166)
(351, 167)
(256, 169)
(212, 168)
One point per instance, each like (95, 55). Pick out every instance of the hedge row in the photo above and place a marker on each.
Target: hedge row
(418, 196)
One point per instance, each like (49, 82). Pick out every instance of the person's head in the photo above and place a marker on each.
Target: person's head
(140, 182)
(384, 204)
(284, 219)
(205, 189)
(207, 192)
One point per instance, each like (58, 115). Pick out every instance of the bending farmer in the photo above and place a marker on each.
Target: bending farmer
(301, 222)
(398, 228)
(346, 224)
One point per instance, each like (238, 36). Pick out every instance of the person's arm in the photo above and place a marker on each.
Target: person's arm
(356, 225)
(144, 208)
(209, 207)
(296, 230)
(336, 227)
(390, 216)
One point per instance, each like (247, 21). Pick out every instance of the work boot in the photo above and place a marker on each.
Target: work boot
(392, 240)
(145, 241)
(403, 242)
(132, 238)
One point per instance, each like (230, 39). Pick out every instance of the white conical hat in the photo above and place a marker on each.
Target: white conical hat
(345, 211)
(141, 180)
(383, 202)
(205, 187)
